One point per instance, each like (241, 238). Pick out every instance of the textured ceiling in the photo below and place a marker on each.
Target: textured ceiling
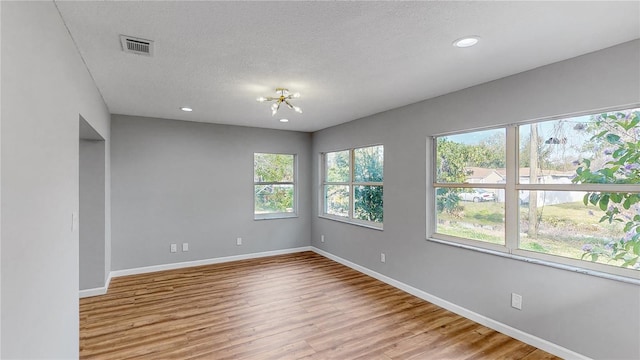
(347, 59)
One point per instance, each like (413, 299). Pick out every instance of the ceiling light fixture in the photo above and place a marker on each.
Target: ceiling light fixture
(283, 97)
(467, 41)
(187, 109)
(284, 120)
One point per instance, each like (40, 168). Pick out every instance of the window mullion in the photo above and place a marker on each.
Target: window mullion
(367, 183)
(352, 190)
(322, 205)
(512, 211)
(619, 188)
(275, 182)
(469, 185)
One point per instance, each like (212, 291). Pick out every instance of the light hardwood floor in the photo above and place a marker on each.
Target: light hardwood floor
(298, 306)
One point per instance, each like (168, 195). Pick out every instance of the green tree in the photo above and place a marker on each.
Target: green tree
(490, 153)
(337, 166)
(368, 199)
(273, 169)
(451, 162)
(619, 135)
(337, 171)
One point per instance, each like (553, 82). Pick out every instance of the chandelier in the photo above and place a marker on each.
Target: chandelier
(283, 96)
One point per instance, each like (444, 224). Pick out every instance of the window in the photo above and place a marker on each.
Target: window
(352, 185)
(564, 191)
(274, 185)
(470, 179)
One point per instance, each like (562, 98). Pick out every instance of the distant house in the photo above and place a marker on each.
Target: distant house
(479, 175)
(545, 176)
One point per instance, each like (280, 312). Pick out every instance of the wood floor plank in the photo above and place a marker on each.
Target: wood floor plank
(297, 306)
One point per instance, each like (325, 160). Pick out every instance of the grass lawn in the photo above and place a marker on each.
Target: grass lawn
(563, 228)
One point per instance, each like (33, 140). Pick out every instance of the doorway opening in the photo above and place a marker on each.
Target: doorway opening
(93, 267)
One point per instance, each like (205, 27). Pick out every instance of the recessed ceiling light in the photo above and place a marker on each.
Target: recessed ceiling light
(466, 41)
(284, 120)
(187, 109)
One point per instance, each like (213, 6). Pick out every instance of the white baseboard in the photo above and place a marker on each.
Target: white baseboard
(180, 265)
(93, 292)
(185, 264)
(96, 291)
(480, 319)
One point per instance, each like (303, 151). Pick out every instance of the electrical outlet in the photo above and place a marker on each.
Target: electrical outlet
(239, 241)
(321, 238)
(516, 301)
(174, 248)
(185, 246)
(383, 257)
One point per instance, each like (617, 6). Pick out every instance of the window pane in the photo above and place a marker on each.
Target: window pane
(602, 148)
(369, 164)
(470, 214)
(368, 203)
(337, 166)
(476, 157)
(272, 167)
(559, 223)
(273, 199)
(336, 200)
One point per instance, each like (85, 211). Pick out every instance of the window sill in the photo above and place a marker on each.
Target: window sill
(596, 273)
(274, 216)
(351, 222)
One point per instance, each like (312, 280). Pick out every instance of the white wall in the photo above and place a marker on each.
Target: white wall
(0, 186)
(92, 214)
(589, 315)
(176, 181)
(45, 88)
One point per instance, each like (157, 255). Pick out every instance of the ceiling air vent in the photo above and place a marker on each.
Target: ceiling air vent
(135, 45)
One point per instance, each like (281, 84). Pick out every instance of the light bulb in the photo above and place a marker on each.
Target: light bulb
(187, 109)
(274, 106)
(262, 99)
(296, 95)
(274, 111)
(284, 120)
(297, 109)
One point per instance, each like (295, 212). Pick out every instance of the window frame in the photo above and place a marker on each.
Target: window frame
(512, 188)
(351, 184)
(435, 185)
(294, 183)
